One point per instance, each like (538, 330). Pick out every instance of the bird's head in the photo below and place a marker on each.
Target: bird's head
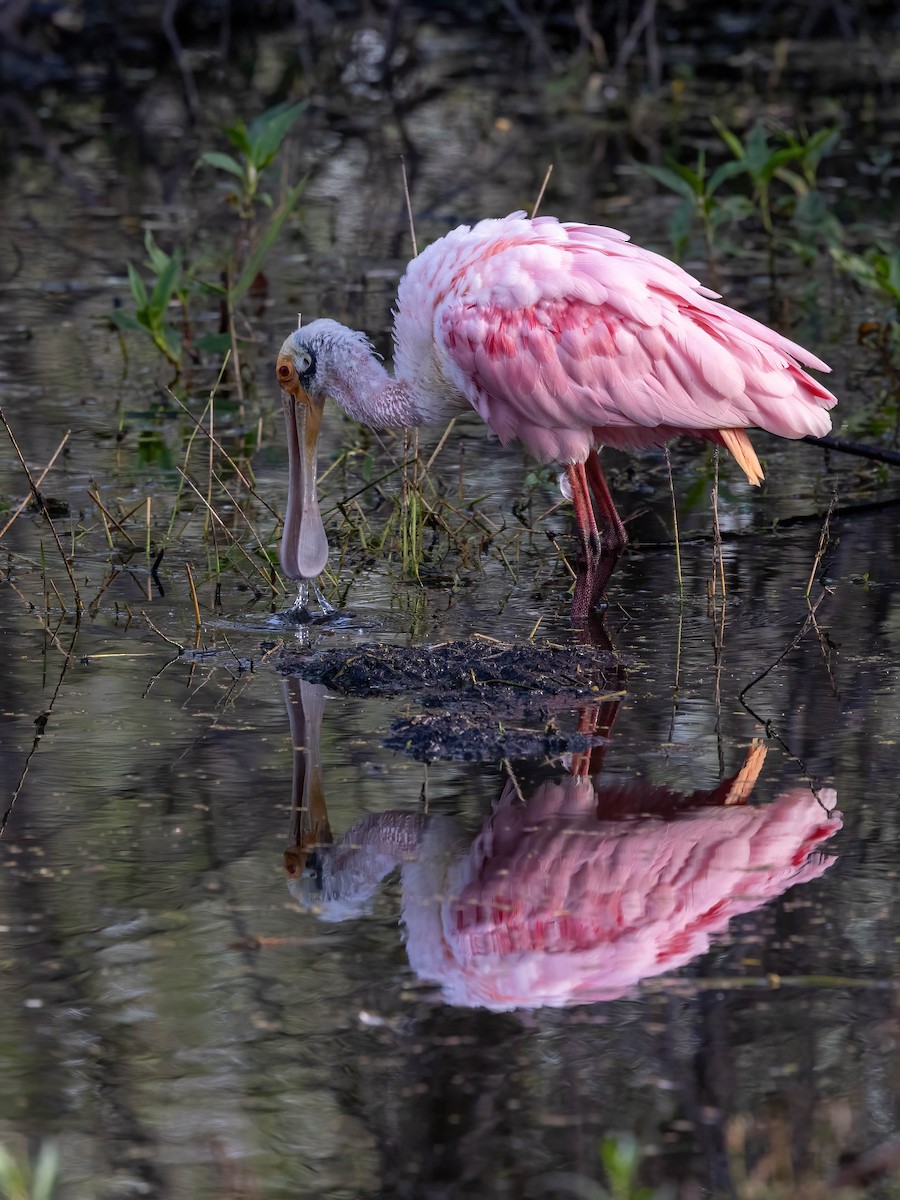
(304, 546)
(317, 360)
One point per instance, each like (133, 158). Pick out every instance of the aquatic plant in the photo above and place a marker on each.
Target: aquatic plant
(699, 188)
(231, 272)
(878, 270)
(782, 170)
(151, 307)
(620, 1156)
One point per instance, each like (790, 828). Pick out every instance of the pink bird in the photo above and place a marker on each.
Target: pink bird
(562, 336)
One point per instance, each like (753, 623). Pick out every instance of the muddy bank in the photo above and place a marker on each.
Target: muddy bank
(474, 689)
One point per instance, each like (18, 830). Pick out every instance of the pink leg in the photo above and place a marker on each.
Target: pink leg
(594, 570)
(601, 549)
(615, 539)
(585, 520)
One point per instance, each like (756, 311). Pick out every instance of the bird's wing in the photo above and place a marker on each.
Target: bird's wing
(554, 342)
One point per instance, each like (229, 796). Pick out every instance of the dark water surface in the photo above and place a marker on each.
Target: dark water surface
(463, 994)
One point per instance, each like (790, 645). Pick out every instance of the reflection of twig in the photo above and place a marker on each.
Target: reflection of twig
(158, 674)
(41, 723)
(718, 557)
(824, 538)
(676, 684)
(675, 525)
(643, 22)
(716, 983)
(159, 633)
(37, 483)
(767, 724)
(45, 512)
(52, 152)
(797, 639)
(507, 767)
(826, 645)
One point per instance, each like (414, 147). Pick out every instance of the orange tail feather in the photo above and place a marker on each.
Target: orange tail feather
(740, 446)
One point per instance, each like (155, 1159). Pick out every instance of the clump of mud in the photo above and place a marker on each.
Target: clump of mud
(475, 689)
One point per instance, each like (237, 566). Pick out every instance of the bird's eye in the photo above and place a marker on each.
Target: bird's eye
(285, 372)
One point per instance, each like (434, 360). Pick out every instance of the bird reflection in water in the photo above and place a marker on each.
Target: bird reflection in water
(571, 894)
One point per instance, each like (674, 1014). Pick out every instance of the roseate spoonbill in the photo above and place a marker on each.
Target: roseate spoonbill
(566, 337)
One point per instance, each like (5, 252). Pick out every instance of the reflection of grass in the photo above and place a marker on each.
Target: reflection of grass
(761, 1165)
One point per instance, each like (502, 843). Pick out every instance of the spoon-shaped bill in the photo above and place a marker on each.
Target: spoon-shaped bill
(304, 546)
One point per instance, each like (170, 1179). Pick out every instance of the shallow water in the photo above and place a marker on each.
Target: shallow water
(170, 1014)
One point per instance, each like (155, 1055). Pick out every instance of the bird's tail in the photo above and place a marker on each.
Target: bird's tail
(740, 446)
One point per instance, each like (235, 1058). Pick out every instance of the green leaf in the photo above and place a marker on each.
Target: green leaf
(795, 182)
(680, 224)
(165, 285)
(138, 290)
(261, 250)
(222, 162)
(756, 150)
(731, 140)
(237, 135)
(669, 179)
(820, 144)
(269, 130)
(731, 208)
(46, 1171)
(893, 274)
(156, 257)
(727, 170)
(776, 160)
(173, 343)
(125, 320)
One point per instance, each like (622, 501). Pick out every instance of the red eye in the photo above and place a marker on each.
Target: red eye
(285, 372)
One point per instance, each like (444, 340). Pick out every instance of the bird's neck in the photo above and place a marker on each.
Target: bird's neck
(372, 396)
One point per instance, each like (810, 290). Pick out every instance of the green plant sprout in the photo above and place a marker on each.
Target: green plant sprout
(151, 307)
(258, 145)
(699, 189)
(789, 164)
(878, 270)
(176, 280)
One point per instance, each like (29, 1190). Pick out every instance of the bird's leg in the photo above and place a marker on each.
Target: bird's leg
(588, 592)
(584, 514)
(615, 539)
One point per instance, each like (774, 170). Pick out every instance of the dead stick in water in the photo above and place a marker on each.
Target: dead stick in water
(45, 512)
(190, 576)
(860, 449)
(37, 483)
